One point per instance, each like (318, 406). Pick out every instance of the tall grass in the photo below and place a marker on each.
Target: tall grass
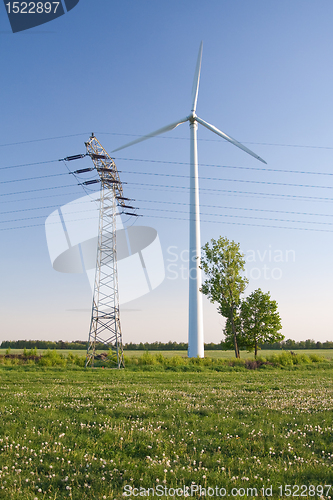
(149, 361)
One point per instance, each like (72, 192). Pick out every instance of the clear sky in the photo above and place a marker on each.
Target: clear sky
(121, 69)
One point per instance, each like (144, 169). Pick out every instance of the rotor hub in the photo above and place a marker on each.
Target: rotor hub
(192, 117)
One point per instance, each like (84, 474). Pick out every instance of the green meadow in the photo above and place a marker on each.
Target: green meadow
(327, 353)
(71, 433)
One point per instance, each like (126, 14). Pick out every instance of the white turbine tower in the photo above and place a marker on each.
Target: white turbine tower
(195, 325)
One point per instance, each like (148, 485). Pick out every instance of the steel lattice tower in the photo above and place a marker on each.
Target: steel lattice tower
(105, 319)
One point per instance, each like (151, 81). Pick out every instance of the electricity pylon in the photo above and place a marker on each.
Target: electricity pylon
(105, 319)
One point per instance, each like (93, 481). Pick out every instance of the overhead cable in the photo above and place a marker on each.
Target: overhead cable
(29, 164)
(235, 167)
(183, 212)
(248, 181)
(269, 226)
(41, 140)
(159, 174)
(182, 204)
(154, 187)
(169, 138)
(162, 162)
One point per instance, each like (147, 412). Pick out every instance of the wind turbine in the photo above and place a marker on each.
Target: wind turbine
(195, 326)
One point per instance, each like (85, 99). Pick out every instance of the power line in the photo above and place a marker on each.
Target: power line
(222, 142)
(243, 217)
(203, 214)
(307, 146)
(43, 216)
(36, 190)
(34, 178)
(183, 204)
(73, 173)
(236, 167)
(41, 140)
(182, 187)
(249, 193)
(153, 187)
(237, 208)
(203, 221)
(28, 164)
(165, 162)
(245, 224)
(230, 180)
(39, 198)
(158, 174)
(228, 191)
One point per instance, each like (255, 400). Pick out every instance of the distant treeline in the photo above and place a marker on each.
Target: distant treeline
(44, 344)
(182, 346)
(158, 346)
(292, 345)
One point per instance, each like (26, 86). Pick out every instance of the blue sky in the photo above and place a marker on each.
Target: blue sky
(123, 69)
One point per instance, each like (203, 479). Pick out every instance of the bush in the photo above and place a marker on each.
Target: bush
(283, 359)
(52, 358)
(75, 359)
(160, 359)
(316, 359)
(32, 352)
(127, 360)
(176, 361)
(237, 362)
(9, 361)
(147, 359)
(291, 358)
(301, 359)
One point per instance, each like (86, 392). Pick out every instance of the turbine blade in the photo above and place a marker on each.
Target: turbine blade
(228, 138)
(153, 134)
(196, 80)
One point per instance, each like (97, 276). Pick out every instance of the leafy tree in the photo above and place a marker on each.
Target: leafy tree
(260, 320)
(223, 264)
(229, 336)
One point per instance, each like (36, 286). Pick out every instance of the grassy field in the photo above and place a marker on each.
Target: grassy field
(94, 434)
(327, 353)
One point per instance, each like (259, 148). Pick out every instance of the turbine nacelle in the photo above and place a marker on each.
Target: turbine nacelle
(192, 117)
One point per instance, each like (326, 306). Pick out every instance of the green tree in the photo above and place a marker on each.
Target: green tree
(260, 320)
(223, 263)
(229, 336)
